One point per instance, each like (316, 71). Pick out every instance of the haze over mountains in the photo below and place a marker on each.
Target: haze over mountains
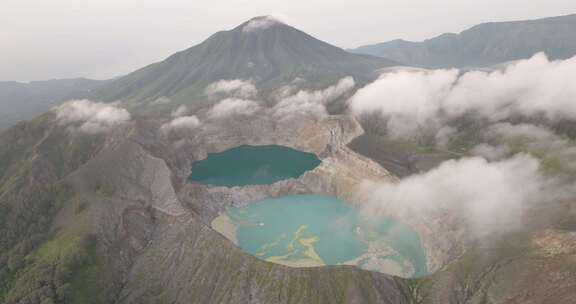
(21, 101)
(484, 44)
(96, 203)
(283, 54)
(271, 58)
(92, 198)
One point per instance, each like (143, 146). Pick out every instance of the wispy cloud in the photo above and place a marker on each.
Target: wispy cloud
(181, 124)
(233, 88)
(503, 139)
(261, 23)
(233, 106)
(180, 111)
(91, 117)
(489, 197)
(161, 100)
(312, 102)
(412, 100)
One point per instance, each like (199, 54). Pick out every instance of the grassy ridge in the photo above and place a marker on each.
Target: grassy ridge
(38, 263)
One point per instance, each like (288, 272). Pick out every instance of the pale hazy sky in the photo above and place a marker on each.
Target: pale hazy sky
(47, 39)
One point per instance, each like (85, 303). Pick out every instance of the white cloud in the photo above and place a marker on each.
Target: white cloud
(489, 196)
(234, 88)
(161, 100)
(180, 111)
(323, 96)
(313, 102)
(408, 99)
(181, 123)
(504, 138)
(233, 106)
(521, 131)
(491, 152)
(444, 135)
(412, 100)
(526, 87)
(283, 92)
(91, 117)
(261, 23)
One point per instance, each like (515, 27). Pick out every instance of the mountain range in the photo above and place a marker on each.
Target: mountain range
(96, 205)
(484, 44)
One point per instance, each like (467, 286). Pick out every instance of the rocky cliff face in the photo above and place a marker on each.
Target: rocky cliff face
(535, 265)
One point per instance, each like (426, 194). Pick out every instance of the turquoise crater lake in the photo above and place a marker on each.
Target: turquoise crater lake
(252, 165)
(315, 230)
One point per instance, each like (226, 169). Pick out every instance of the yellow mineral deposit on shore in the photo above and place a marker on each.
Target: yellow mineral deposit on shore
(306, 257)
(224, 225)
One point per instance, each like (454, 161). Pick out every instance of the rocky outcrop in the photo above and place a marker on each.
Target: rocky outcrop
(130, 173)
(520, 268)
(188, 262)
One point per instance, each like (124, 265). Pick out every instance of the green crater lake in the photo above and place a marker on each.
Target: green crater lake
(315, 230)
(252, 165)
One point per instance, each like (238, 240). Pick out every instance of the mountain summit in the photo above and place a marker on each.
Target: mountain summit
(261, 23)
(263, 49)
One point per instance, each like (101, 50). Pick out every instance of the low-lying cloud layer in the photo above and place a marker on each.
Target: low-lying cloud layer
(489, 196)
(180, 111)
(515, 161)
(557, 152)
(233, 88)
(161, 100)
(233, 106)
(181, 124)
(411, 100)
(312, 102)
(90, 117)
(240, 97)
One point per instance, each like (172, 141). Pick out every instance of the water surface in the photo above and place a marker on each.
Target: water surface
(252, 165)
(314, 230)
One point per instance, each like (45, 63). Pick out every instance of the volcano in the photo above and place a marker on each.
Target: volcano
(263, 49)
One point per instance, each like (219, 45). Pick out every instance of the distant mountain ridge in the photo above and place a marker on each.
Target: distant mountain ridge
(20, 101)
(484, 44)
(263, 49)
